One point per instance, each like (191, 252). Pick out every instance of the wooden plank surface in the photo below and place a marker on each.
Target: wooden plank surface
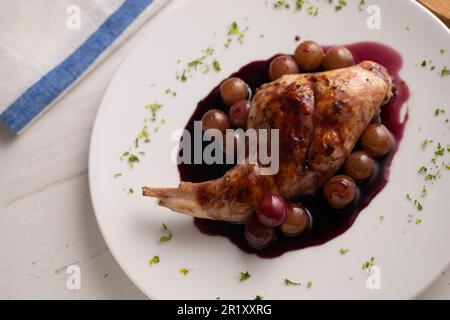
(440, 8)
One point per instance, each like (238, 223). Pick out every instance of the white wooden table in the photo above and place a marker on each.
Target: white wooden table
(46, 219)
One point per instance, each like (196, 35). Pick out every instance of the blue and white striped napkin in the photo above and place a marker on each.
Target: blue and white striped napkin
(47, 46)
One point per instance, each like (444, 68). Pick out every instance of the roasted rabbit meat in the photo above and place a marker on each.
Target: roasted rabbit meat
(320, 117)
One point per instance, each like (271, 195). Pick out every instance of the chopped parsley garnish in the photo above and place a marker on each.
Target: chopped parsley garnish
(243, 276)
(424, 63)
(184, 271)
(432, 177)
(154, 261)
(438, 112)
(442, 51)
(299, 4)
(116, 175)
(343, 250)
(415, 203)
(235, 30)
(202, 64)
(340, 5)
(154, 108)
(281, 4)
(258, 297)
(439, 151)
(309, 284)
(291, 283)
(196, 62)
(445, 72)
(167, 234)
(369, 264)
(182, 77)
(130, 191)
(422, 169)
(313, 11)
(418, 221)
(424, 192)
(419, 206)
(362, 5)
(447, 166)
(216, 65)
(132, 159)
(171, 92)
(144, 134)
(425, 143)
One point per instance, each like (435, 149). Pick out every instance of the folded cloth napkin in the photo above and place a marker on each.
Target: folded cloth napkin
(47, 46)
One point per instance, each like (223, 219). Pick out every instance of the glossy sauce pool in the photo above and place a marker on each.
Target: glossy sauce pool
(326, 223)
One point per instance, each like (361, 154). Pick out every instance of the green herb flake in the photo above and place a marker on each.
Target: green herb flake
(183, 77)
(154, 108)
(419, 206)
(291, 283)
(216, 65)
(438, 112)
(167, 234)
(243, 276)
(235, 30)
(117, 175)
(424, 192)
(447, 166)
(424, 63)
(171, 92)
(418, 221)
(309, 284)
(144, 134)
(445, 72)
(281, 4)
(422, 170)
(132, 159)
(439, 151)
(299, 4)
(344, 250)
(154, 261)
(313, 11)
(362, 5)
(341, 4)
(369, 264)
(408, 196)
(130, 191)
(184, 271)
(209, 51)
(258, 297)
(442, 51)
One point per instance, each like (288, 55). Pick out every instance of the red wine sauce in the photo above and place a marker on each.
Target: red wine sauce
(326, 222)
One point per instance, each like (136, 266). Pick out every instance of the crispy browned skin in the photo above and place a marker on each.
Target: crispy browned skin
(320, 117)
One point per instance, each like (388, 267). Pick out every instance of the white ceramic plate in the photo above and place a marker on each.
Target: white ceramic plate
(410, 256)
